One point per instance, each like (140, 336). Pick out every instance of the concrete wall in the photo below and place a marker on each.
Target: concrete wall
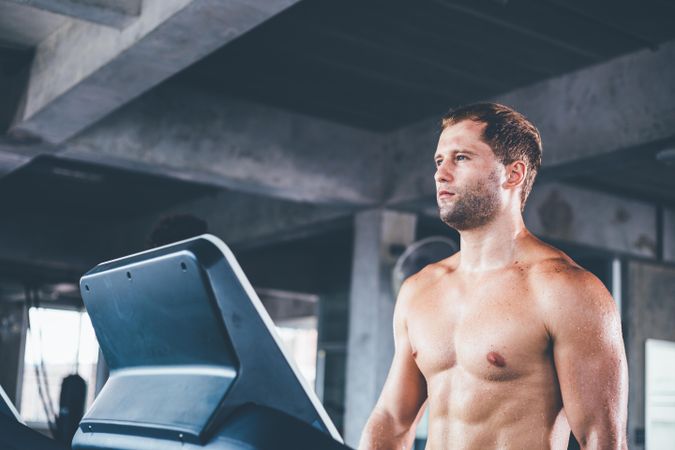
(649, 313)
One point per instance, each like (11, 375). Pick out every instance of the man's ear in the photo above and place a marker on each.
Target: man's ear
(515, 174)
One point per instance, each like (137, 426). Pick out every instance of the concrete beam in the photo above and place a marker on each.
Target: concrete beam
(69, 90)
(11, 161)
(594, 219)
(242, 221)
(20, 150)
(112, 13)
(61, 248)
(72, 246)
(625, 103)
(183, 132)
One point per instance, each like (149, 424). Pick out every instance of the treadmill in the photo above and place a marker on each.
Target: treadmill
(15, 435)
(194, 358)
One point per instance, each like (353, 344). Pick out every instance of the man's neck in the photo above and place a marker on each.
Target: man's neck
(492, 246)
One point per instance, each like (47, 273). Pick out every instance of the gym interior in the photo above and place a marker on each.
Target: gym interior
(301, 133)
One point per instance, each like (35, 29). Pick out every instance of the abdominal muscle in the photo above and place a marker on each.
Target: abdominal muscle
(467, 413)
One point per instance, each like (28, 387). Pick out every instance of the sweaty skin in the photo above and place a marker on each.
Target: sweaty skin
(509, 343)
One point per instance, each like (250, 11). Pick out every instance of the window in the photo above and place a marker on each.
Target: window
(295, 316)
(300, 343)
(660, 394)
(65, 343)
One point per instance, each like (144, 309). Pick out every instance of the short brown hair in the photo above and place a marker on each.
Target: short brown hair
(510, 135)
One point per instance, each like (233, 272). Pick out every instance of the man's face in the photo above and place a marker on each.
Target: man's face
(468, 177)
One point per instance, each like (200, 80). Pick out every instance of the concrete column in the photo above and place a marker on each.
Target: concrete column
(379, 238)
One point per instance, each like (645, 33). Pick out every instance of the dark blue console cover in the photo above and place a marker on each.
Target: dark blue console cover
(187, 342)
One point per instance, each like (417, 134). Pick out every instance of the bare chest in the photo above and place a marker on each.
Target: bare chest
(494, 334)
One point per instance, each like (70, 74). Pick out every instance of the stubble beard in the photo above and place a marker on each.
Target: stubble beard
(475, 205)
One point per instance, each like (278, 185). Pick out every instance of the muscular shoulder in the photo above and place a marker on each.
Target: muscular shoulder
(560, 279)
(431, 274)
(419, 286)
(570, 296)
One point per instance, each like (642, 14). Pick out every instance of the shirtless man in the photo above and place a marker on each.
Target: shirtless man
(509, 342)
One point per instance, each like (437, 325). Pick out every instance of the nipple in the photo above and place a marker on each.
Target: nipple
(496, 359)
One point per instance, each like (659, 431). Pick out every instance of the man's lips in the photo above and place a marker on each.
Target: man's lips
(444, 194)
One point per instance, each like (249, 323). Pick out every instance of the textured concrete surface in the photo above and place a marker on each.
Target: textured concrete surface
(24, 26)
(621, 104)
(371, 308)
(190, 134)
(586, 217)
(114, 13)
(243, 221)
(54, 243)
(650, 314)
(70, 90)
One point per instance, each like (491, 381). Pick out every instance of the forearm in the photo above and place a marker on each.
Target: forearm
(383, 432)
(603, 440)
(597, 445)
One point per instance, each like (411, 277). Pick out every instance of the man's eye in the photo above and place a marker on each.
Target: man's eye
(460, 158)
(438, 162)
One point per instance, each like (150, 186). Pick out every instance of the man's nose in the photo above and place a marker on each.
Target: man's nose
(443, 174)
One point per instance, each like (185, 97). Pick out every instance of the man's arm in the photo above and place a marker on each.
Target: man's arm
(403, 394)
(590, 360)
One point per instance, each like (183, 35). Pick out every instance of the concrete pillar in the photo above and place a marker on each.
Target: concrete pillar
(380, 236)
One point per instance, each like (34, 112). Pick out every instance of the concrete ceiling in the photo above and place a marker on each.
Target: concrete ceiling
(22, 26)
(61, 187)
(303, 115)
(383, 64)
(645, 174)
(84, 68)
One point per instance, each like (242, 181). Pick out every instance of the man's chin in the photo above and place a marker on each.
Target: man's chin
(446, 218)
(445, 212)
(451, 218)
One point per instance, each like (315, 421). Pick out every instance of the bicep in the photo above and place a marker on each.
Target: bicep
(590, 363)
(404, 390)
